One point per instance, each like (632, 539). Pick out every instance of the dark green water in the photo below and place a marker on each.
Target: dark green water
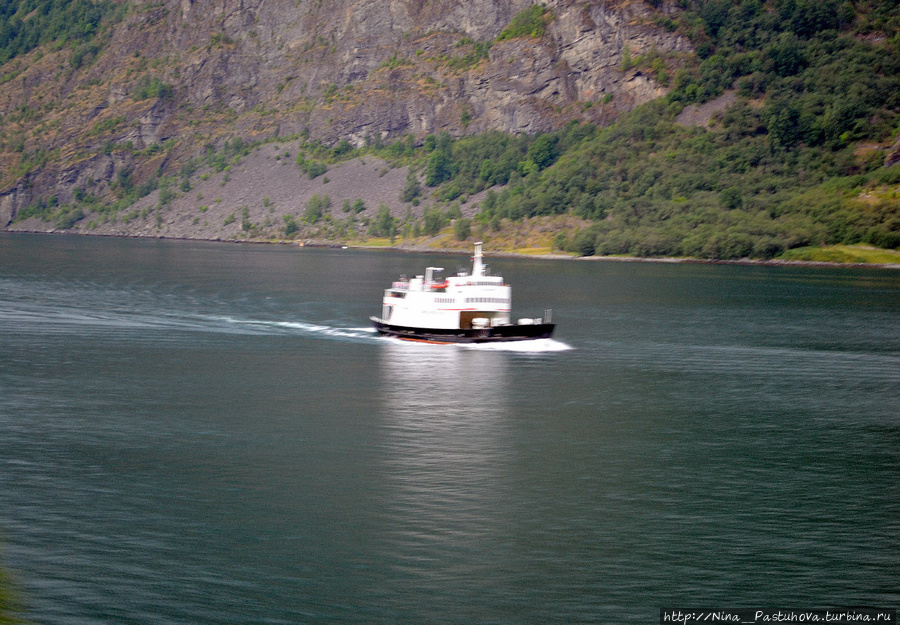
(203, 433)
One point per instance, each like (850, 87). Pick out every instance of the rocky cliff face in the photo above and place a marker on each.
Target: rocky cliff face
(188, 73)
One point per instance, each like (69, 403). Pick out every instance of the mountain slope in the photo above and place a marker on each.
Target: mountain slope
(707, 128)
(166, 79)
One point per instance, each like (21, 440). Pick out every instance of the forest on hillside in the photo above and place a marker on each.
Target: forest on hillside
(802, 156)
(794, 162)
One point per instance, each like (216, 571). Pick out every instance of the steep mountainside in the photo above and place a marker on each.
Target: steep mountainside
(166, 81)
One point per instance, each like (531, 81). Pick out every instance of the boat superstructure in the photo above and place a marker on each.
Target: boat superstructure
(465, 308)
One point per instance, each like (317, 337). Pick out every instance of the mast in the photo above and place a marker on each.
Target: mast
(477, 266)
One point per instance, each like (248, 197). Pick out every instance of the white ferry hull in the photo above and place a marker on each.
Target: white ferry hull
(494, 334)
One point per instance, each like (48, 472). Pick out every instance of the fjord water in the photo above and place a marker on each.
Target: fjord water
(209, 433)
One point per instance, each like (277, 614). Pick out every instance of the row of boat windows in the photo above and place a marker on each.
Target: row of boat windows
(472, 300)
(487, 300)
(452, 300)
(483, 283)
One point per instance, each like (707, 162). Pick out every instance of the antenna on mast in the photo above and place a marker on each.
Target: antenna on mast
(477, 266)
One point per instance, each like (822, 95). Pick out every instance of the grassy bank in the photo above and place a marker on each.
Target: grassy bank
(540, 236)
(843, 254)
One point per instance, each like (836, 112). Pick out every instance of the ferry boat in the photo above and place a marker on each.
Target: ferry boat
(465, 308)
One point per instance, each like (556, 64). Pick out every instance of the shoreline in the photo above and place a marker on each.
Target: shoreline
(313, 243)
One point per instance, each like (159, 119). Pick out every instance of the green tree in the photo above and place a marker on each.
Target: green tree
(438, 169)
(385, 223)
(316, 207)
(462, 228)
(542, 152)
(584, 243)
(411, 189)
(290, 226)
(434, 220)
(731, 198)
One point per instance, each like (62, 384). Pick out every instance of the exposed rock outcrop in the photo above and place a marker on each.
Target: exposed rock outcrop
(186, 73)
(893, 154)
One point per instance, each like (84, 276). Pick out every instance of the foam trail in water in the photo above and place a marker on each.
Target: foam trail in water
(531, 346)
(57, 307)
(289, 327)
(534, 346)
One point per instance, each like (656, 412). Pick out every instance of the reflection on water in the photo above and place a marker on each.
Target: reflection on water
(446, 448)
